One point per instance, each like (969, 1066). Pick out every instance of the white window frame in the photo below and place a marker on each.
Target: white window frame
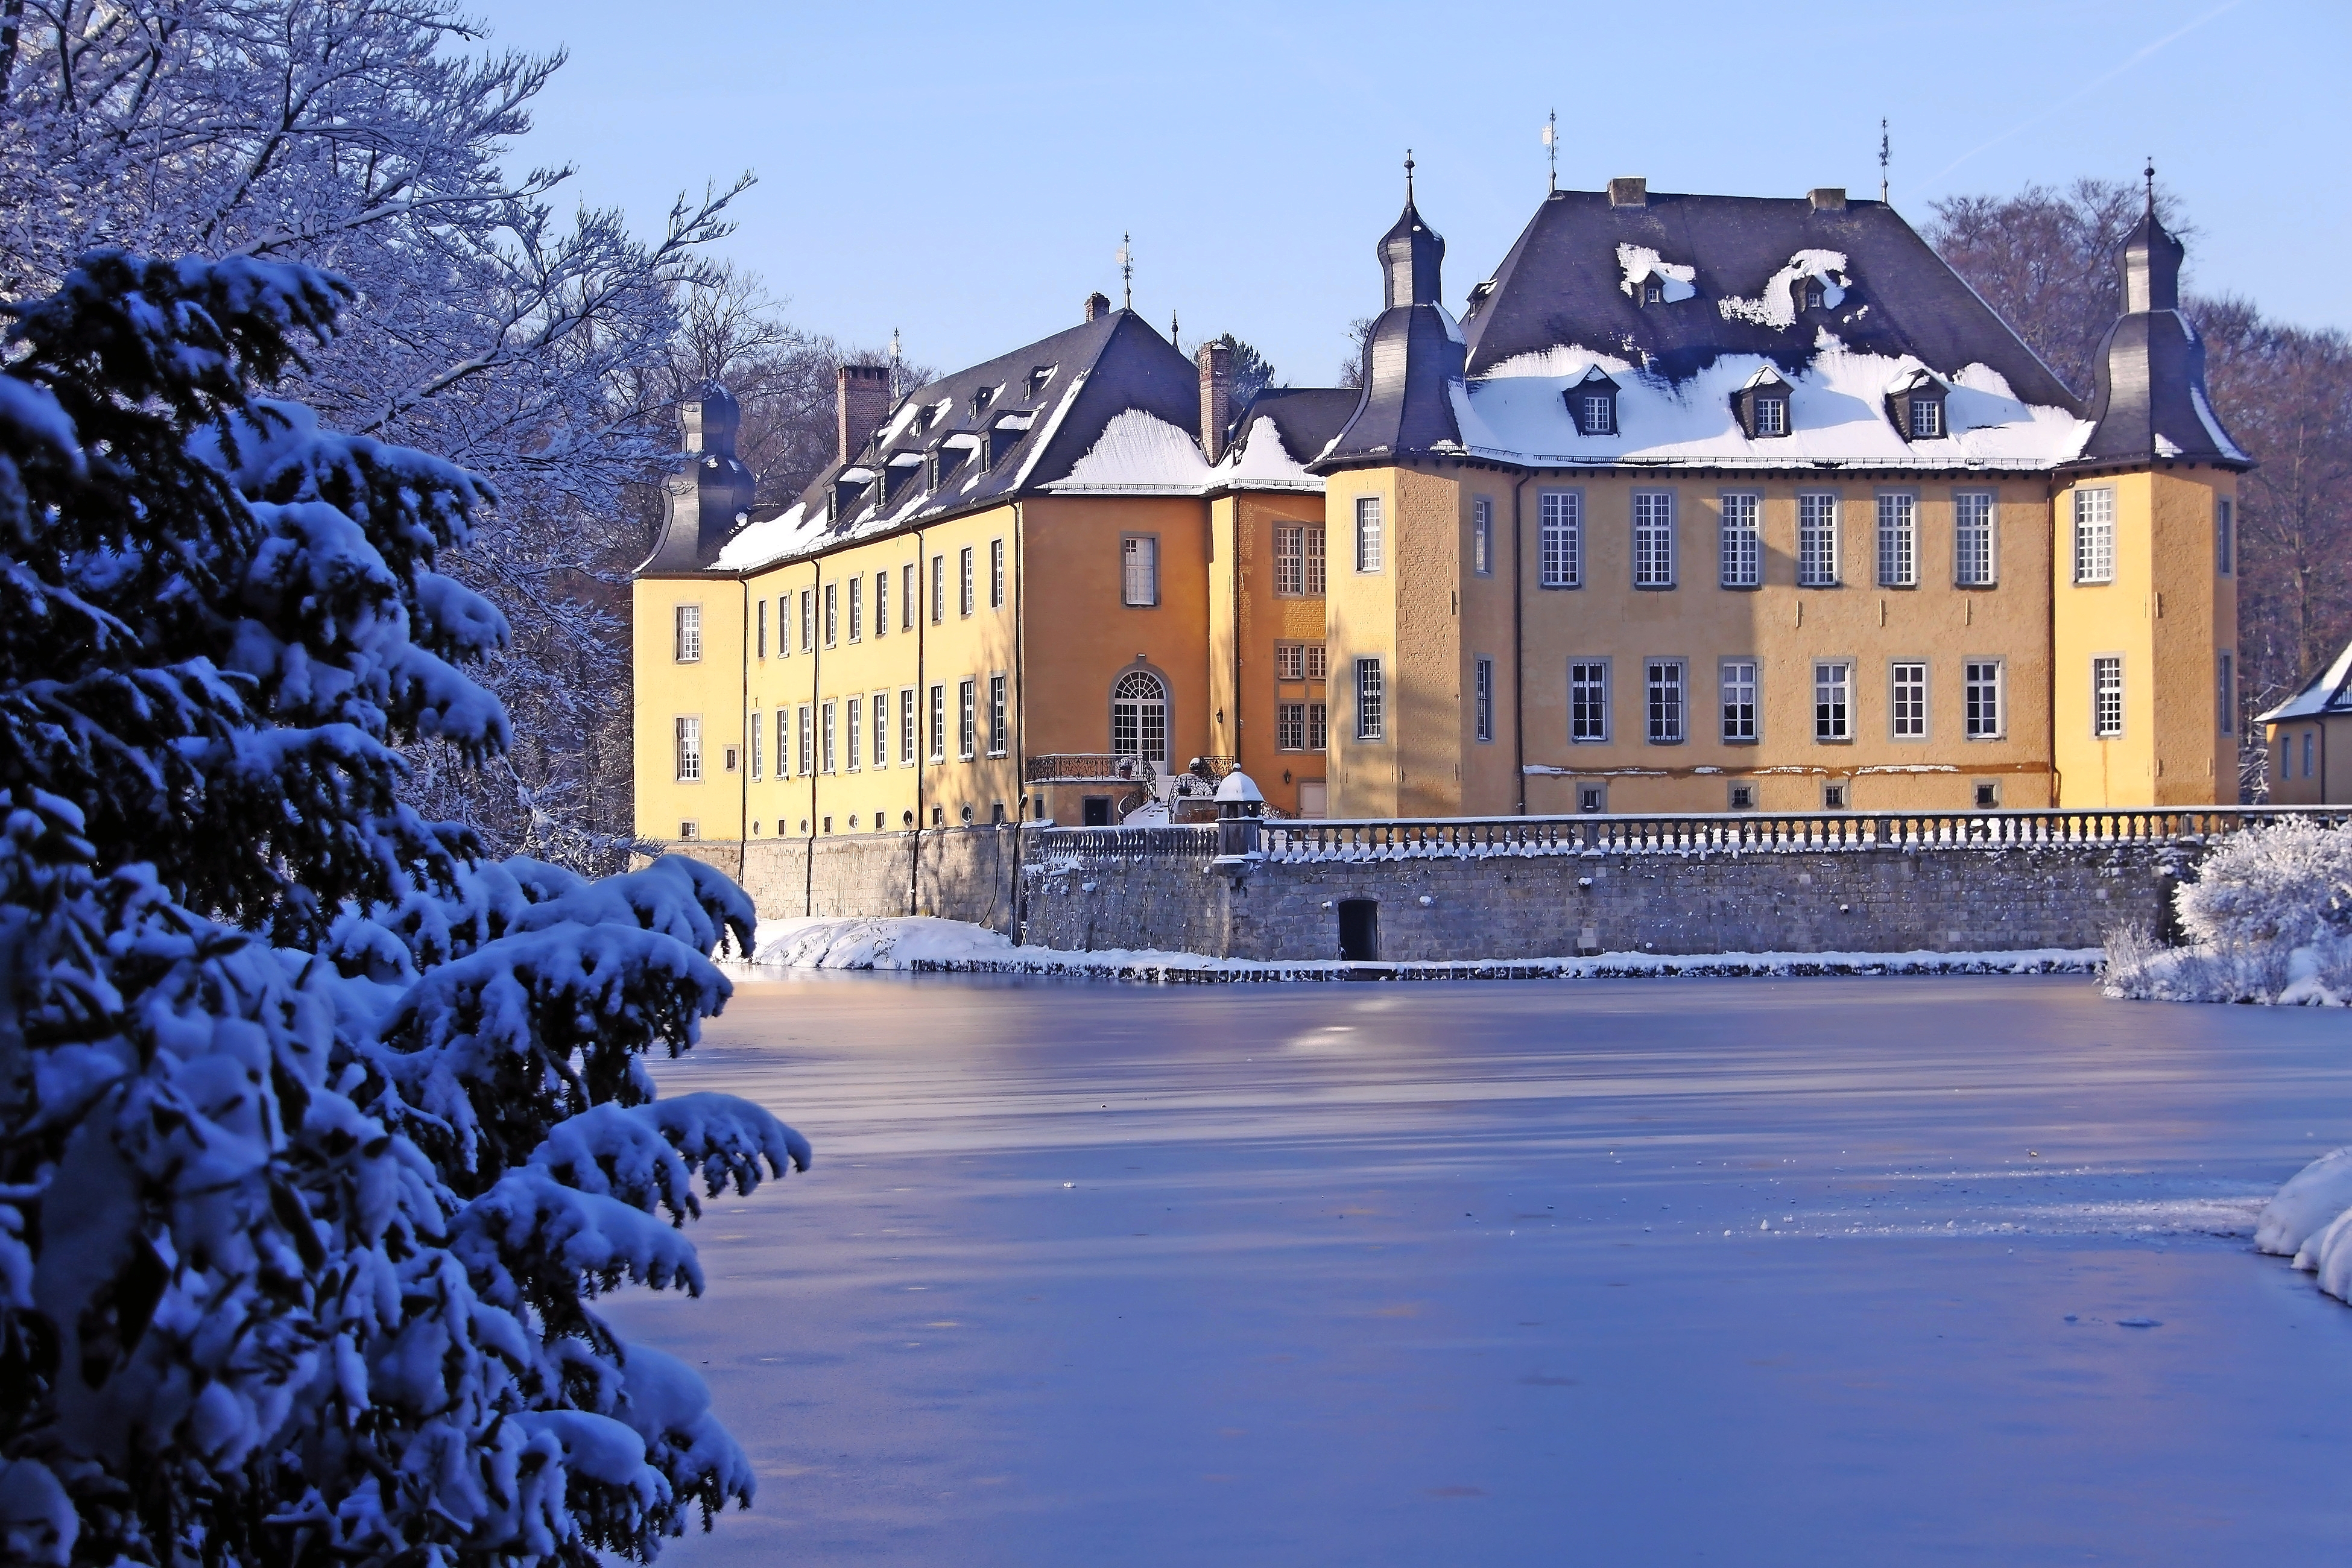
(1772, 416)
(1598, 415)
(1907, 700)
(686, 633)
(1290, 661)
(881, 731)
(1587, 685)
(968, 582)
(1559, 535)
(1000, 716)
(1740, 550)
(996, 573)
(686, 751)
(758, 753)
(882, 602)
(1899, 539)
(807, 735)
(909, 738)
(1319, 571)
(1318, 661)
(968, 718)
(808, 620)
(1976, 538)
(1139, 571)
(855, 734)
(1289, 560)
(2106, 696)
(1370, 544)
(1833, 701)
(1319, 726)
(907, 596)
(939, 721)
(858, 607)
(2094, 536)
(1739, 710)
(1817, 539)
(1290, 726)
(1984, 684)
(1927, 422)
(1371, 699)
(1665, 702)
(1653, 540)
(1482, 536)
(938, 589)
(828, 734)
(762, 643)
(833, 615)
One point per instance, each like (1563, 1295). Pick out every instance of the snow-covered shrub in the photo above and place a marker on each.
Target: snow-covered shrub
(2311, 1220)
(2268, 919)
(318, 1136)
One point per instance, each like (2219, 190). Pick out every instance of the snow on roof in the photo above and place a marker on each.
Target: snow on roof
(1138, 451)
(1837, 414)
(1262, 458)
(1638, 263)
(2220, 437)
(1776, 305)
(771, 540)
(2325, 694)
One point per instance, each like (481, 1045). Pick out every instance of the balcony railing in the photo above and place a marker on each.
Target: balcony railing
(1089, 767)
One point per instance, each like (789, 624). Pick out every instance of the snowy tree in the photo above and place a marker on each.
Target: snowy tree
(318, 1134)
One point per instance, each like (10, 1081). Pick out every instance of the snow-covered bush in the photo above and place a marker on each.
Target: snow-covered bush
(2269, 919)
(318, 1136)
(2310, 1220)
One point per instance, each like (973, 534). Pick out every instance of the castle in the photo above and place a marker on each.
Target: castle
(1703, 504)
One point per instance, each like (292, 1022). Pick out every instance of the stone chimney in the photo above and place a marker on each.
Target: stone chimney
(862, 400)
(1629, 190)
(1827, 198)
(1097, 306)
(1216, 362)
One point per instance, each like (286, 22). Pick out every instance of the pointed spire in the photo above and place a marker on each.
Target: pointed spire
(2150, 173)
(1408, 177)
(1411, 253)
(1552, 149)
(1171, 330)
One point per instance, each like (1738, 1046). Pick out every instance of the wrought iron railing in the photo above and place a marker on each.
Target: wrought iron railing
(1089, 767)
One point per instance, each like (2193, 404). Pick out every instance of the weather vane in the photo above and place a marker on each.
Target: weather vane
(1126, 259)
(2149, 175)
(894, 364)
(1408, 177)
(1883, 149)
(1552, 147)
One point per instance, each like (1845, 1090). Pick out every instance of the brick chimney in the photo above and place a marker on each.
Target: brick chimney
(1629, 190)
(1216, 362)
(862, 400)
(1097, 306)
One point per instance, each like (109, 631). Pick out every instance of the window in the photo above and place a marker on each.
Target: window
(1139, 716)
(1907, 699)
(1593, 797)
(825, 731)
(1290, 661)
(1318, 661)
(1587, 700)
(1318, 727)
(858, 608)
(1139, 559)
(1289, 560)
(882, 604)
(729, 753)
(756, 758)
(1661, 682)
(784, 745)
(938, 589)
(1772, 416)
(2225, 536)
(1482, 537)
(1290, 726)
(906, 726)
(1742, 797)
(2309, 736)
(690, 749)
(1653, 539)
(831, 614)
(938, 724)
(1368, 533)
(1372, 697)
(856, 732)
(1988, 794)
(967, 718)
(689, 830)
(1316, 575)
(966, 585)
(907, 597)
(1738, 680)
(2106, 697)
(1833, 701)
(763, 634)
(1833, 796)
(784, 626)
(1926, 418)
(1898, 540)
(1981, 708)
(2225, 692)
(2094, 536)
(808, 620)
(1560, 529)
(996, 573)
(686, 645)
(1817, 540)
(881, 731)
(1972, 554)
(1599, 414)
(1483, 692)
(808, 739)
(1742, 551)
(1000, 737)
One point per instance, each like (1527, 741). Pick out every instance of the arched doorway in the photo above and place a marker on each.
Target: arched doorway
(1139, 716)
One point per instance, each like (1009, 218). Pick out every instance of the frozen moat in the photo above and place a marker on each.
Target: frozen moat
(1806, 1272)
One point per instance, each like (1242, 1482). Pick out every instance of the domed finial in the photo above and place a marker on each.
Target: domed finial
(1408, 177)
(2149, 175)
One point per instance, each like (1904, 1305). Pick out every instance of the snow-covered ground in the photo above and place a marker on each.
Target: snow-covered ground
(921, 943)
(1765, 1271)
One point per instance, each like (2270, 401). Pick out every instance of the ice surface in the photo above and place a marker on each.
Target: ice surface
(1415, 1274)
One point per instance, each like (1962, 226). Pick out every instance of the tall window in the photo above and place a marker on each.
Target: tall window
(1483, 696)
(967, 586)
(756, 758)
(1290, 726)
(1833, 700)
(783, 741)
(1139, 716)
(2094, 536)
(1742, 551)
(1972, 554)
(1318, 576)
(1587, 700)
(881, 730)
(1319, 726)
(1907, 699)
(1000, 736)
(690, 749)
(763, 629)
(882, 604)
(831, 614)
(1371, 701)
(1817, 540)
(1653, 539)
(1898, 540)
(1368, 533)
(1560, 529)
(1318, 661)
(1983, 703)
(907, 597)
(967, 718)
(1139, 561)
(2107, 695)
(856, 707)
(1739, 700)
(2225, 692)
(1482, 536)
(938, 589)
(686, 641)
(938, 724)
(783, 632)
(826, 723)
(2225, 536)
(996, 573)
(906, 726)
(858, 608)
(808, 620)
(1289, 559)
(1661, 682)
(1290, 661)
(807, 739)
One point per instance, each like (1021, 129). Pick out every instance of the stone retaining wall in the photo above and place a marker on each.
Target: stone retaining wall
(958, 873)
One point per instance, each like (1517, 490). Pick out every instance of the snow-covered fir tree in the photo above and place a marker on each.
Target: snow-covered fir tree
(318, 1134)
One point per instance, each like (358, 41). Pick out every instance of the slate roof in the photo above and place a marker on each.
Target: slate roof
(2329, 692)
(1413, 389)
(2150, 398)
(1563, 284)
(1305, 417)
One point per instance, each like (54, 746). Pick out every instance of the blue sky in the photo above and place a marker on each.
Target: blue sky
(963, 172)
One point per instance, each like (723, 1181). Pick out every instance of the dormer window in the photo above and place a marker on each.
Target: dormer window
(1915, 405)
(1812, 288)
(1592, 403)
(945, 461)
(848, 489)
(1005, 436)
(1772, 416)
(1762, 406)
(982, 399)
(1653, 292)
(1926, 417)
(1038, 377)
(902, 468)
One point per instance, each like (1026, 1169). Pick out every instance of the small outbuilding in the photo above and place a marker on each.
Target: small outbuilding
(2310, 737)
